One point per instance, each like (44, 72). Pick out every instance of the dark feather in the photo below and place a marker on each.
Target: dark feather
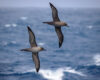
(36, 60)
(54, 13)
(50, 23)
(60, 35)
(24, 50)
(31, 37)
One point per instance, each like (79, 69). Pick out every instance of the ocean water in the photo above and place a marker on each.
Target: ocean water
(77, 59)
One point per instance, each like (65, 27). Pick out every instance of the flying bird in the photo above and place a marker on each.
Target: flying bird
(34, 49)
(57, 23)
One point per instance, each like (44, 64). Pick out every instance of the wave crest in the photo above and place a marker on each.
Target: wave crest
(59, 73)
(97, 59)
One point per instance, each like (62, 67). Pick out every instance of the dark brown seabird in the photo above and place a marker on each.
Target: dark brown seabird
(34, 49)
(57, 23)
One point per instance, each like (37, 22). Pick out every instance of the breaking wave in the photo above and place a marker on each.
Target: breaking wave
(97, 59)
(49, 74)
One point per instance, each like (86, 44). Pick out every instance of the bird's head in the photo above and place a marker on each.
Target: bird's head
(65, 24)
(42, 49)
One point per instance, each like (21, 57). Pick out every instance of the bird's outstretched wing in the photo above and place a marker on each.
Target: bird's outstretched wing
(31, 37)
(36, 60)
(60, 35)
(54, 13)
(35, 56)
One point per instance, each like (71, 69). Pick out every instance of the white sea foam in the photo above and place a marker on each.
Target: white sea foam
(97, 59)
(7, 25)
(14, 25)
(52, 75)
(41, 44)
(59, 73)
(47, 74)
(4, 43)
(90, 27)
(70, 70)
(23, 18)
(11, 25)
(14, 42)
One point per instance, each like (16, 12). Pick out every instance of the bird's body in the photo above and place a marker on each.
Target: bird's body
(34, 49)
(57, 23)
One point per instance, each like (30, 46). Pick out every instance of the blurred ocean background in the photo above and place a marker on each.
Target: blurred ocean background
(77, 59)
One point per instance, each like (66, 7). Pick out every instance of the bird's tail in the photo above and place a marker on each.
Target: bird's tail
(50, 23)
(27, 49)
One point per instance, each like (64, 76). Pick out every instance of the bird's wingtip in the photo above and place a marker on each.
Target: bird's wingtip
(50, 4)
(28, 28)
(60, 44)
(37, 70)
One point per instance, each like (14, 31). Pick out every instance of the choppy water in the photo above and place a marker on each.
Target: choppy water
(77, 59)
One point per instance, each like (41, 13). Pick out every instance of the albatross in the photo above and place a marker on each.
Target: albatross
(57, 23)
(34, 49)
